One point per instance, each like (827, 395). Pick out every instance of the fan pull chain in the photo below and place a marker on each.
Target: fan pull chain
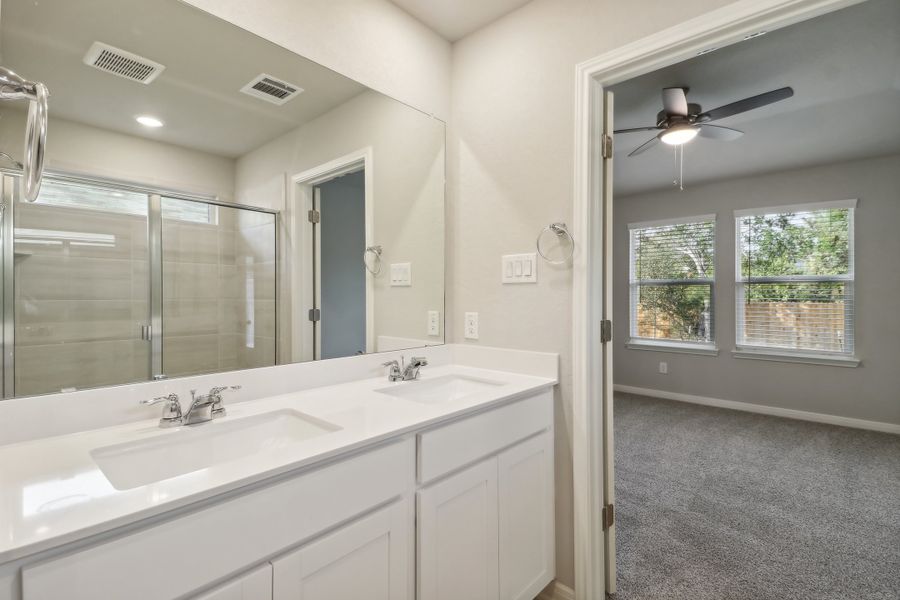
(679, 167)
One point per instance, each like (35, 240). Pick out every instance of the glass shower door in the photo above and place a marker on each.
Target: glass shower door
(80, 292)
(218, 287)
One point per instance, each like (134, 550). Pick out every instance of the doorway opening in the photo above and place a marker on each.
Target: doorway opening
(595, 268)
(335, 260)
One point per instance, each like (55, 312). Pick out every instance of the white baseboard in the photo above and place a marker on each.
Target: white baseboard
(557, 591)
(763, 409)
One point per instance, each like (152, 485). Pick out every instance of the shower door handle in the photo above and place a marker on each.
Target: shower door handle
(146, 332)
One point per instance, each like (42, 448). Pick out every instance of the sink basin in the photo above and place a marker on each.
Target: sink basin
(189, 449)
(440, 390)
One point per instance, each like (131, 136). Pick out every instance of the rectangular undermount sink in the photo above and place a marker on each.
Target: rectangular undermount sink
(447, 388)
(189, 449)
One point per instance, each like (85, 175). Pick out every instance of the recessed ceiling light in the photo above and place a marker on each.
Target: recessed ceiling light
(678, 135)
(148, 121)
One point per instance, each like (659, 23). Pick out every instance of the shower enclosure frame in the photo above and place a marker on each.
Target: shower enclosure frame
(10, 194)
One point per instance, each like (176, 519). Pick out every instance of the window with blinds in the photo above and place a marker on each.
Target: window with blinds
(795, 278)
(672, 279)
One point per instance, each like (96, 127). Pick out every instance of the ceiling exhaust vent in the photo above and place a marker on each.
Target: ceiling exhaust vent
(122, 63)
(265, 87)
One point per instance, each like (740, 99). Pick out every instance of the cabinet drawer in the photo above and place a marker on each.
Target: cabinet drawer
(214, 543)
(452, 446)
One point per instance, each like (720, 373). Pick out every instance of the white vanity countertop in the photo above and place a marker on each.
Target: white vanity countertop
(52, 492)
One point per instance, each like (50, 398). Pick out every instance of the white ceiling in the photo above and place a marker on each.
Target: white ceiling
(845, 71)
(455, 19)
(197, 96)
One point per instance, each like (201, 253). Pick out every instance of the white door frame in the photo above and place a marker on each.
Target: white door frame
(721, 27)
(300, 232)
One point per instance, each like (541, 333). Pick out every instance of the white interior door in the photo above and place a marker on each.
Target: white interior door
(607, 383)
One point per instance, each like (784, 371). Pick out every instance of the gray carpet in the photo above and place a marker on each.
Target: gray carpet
(725, 505)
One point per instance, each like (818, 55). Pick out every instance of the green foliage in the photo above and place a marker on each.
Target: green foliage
(682, 252)
(810, 243)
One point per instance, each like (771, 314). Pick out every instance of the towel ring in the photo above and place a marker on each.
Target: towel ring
(562, 233)
(376, 268)
(14, 87)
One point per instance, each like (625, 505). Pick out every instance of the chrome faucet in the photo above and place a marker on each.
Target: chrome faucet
(203, 408)
(405, 372)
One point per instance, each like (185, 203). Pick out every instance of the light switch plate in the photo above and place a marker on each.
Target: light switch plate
(434, 322)
(518, 268)
(471, 326)
(401, 274)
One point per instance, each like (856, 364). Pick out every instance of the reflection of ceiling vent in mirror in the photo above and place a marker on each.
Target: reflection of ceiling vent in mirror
(265, 87)
(122, 63)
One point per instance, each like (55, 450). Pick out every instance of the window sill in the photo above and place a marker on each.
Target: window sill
(681, 348)
(792, 357)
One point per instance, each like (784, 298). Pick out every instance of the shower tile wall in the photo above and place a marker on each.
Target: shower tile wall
(81, 294)
(215, 291)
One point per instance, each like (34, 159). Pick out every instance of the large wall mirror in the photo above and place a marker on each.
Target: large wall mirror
(211, 202)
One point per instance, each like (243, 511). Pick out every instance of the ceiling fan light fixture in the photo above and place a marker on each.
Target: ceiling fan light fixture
(678, 135)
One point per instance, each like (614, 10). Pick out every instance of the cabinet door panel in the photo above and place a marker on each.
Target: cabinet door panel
(255, 585)
(526, 491)
(458, 536)
(368, 559)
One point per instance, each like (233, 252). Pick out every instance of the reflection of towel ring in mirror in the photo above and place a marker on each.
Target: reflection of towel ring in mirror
(13, 87)
(562, 234)
(375, 269)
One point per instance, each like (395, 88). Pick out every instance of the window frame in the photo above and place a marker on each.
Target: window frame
(846, 357)
(637, 342)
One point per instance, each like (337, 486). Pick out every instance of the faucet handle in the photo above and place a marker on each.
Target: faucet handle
(419, 361)
(218, 408)
(391, 363)
(171, 409)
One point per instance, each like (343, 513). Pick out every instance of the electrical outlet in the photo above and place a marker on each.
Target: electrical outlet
(471, 326)
(434, 322)
(663, 368)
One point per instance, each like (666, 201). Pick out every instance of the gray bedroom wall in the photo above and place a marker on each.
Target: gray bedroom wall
(870, 391)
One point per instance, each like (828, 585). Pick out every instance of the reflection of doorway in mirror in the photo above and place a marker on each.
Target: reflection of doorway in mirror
(340, 278)
(332, 293)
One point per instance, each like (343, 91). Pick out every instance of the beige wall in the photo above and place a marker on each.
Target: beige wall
(372, 41)
(510, 173)
(869, 391)
(408, 157)
(77, 148)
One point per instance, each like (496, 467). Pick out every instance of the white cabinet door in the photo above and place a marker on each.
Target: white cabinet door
(458, 536)
(255, 585)
(369, 558)
(527, 544)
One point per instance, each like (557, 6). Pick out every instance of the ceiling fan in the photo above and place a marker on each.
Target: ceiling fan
(679, 121)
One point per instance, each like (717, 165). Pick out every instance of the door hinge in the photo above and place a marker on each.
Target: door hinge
(315, 315)
(606, 146)
(608, 516)
(605, 331)
(314, 216)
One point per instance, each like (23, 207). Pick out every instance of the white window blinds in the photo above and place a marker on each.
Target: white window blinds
(672, 276)
(794, 270)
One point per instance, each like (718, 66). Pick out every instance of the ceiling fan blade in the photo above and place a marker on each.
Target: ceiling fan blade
(645, 146)
(674, 101)
(717, 132)
(636, 129)
(746, 104)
